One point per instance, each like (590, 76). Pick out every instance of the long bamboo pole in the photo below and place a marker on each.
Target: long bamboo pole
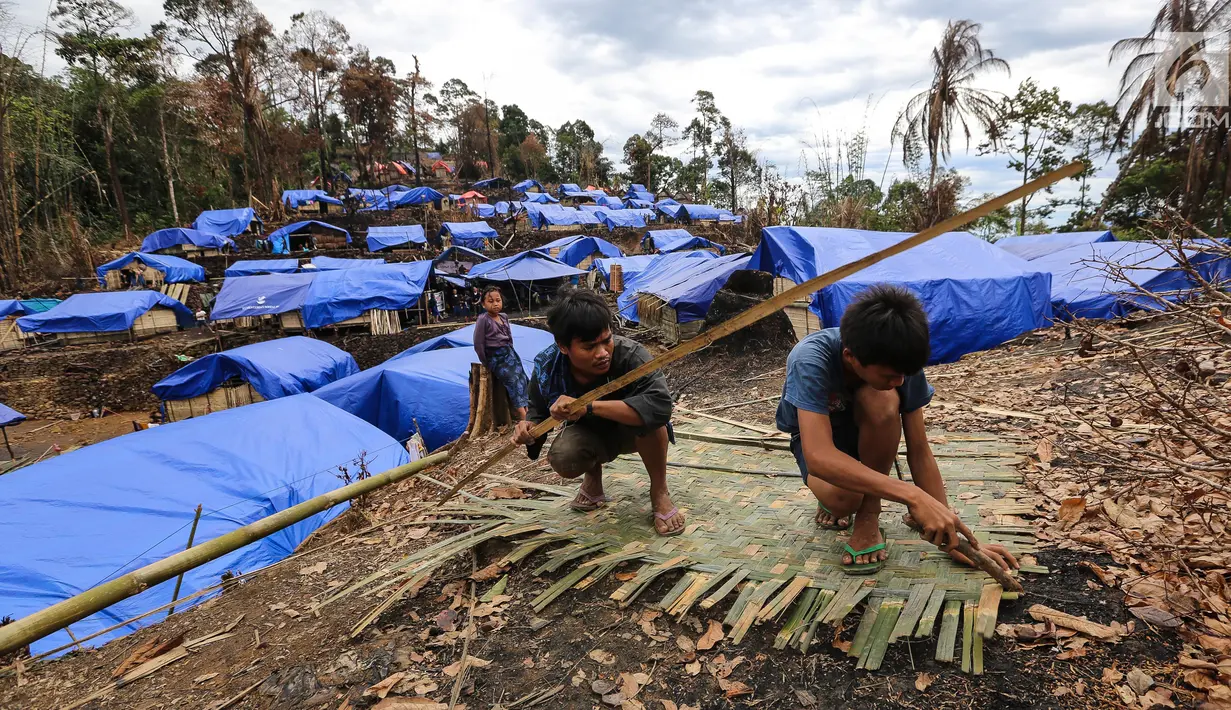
(57, 616)
(777, 303)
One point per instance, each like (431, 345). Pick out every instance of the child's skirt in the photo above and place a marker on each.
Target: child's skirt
(505, 364)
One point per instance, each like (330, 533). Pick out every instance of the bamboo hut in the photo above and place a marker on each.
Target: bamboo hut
(803, 320)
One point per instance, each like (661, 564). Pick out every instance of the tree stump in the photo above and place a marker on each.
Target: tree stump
(490, 408)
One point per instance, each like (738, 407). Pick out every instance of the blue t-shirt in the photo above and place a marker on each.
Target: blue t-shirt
(816, 382)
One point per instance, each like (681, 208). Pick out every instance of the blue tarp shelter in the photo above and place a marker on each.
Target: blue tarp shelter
(633, 219)
(227, 223)
(540, 198)
(388, 237)
(455, 260)
(691, 213)
(464, 338)
(429, 387)
(976, 295)
(692, 278)
(574, 250)
(665, 241)
(252, 267)
(417, 196)
(569, 188)
(281, 238)
(639, 192)
(167, 238)
(255, 296)
(496, 182)
(630, 265)
(175, 269)
(525, 185)
(1081, 286)
(1033, 246)
(89, 516)
(329, 263)
(483, 210)
(12, 307)
(105, 312)
(639, 204)
(300, 198)
(502, 207)
(468, 234)
(611, 203)
(524, 267)
(543, 216)
(335, 296)
(9, 416)
(274, 368)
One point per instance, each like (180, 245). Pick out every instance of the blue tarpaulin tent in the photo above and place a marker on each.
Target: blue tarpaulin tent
(167, 238)
(525, 185)
(496, 182)
(502, 207)
(629, 265)
(483, 210)
(12, 307)
(665, 241)
(611, 203)
(691, 213)
(543, 216)
(574, 250)
(417, 196)
(227, 223)
(106, 312)
(976, 295)
(175, 269)
(388, 237)
(252, 267)
(281, 238)
(1033, 246)
(455, 260)
(1082, 286)
(539, 198)
(429, 387)
(640, 193)
(255, 296)
(88, 516)
(274, 368)
(464, 338)
(299, 198)
(329, 263)
(335, 296)
(632, 218)
(570, 188)
(9, 416)
(689, 278)
(523, 267)
(639, 204)
(468, 234)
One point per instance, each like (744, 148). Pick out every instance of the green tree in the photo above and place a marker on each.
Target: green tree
(662, 134)
(1094, 132)
(638, 156)
(370, 93)
(318, 47)
(700, 133)
(737, 166)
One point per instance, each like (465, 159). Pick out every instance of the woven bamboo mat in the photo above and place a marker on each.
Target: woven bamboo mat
(751, 541)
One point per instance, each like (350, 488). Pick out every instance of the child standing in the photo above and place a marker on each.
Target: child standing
(493, 343)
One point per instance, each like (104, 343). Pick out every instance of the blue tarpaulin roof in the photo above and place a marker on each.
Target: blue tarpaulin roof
(640, 196)
(556, 215)
(502, 207)
(633, 218)
(88, 516)
(539, 198)
(484, 210)
(299, 198)
(11, 307)
(10, 416)
(630, 265)
(251, 267)
(166, 238)
(464, 338)
(639, 204)
(976, 295)
(335, 296)
(525, 185)
(177, 270)
(105, 312)
(468, 234)
(387, 237)
(417, 196)
(574, 250)
(274, 368)
(255, 296)
(1033, 246)
(669, 240)
(613, 203)
(280, 239)
(691, 212)
(329, 263)
(667, 271)
(228, 223)
(568, 187)
(526, 266)
(489, 182)
(1082, 287)
(430, 387)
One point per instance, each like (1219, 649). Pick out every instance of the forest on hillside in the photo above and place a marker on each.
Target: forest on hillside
(219, 106)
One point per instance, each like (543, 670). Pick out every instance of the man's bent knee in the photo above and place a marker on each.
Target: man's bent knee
(877, 408)
(570, 464)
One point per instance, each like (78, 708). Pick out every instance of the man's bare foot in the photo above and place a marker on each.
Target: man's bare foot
(865, 534)
(826, 519)
(668, 520)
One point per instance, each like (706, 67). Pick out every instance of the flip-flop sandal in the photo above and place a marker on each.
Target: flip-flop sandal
(591, 503)
(665, 517)
(867, 567)
(850, 519)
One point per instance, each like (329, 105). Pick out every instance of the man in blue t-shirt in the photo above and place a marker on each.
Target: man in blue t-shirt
(849, 395)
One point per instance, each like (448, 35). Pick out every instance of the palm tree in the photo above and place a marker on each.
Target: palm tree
(932, 116)
(1176, 59)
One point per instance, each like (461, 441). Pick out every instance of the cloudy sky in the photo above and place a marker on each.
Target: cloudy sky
(785, 72)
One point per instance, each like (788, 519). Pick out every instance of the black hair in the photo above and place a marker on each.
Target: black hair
(886, 325)
(489, 289)
(579, 314)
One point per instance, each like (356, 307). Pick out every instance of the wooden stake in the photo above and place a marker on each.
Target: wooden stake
(192, 534)
(777, 303)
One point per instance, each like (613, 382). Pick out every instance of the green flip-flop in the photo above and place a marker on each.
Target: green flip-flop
(867, 567)
(850, 519)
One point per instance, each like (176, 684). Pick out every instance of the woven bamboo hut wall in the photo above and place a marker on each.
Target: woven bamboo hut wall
(189, 251)
(378, 322)
(156, 321)
(154, 279)
(803, 320)
(11, 337)
(654, 313)
(230, 394)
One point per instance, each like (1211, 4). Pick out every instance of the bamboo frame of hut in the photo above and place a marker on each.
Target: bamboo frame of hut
(156, 321)
(228, 395)
(377, 321)
(11, 337)
(803, 320)
(154, 278)
(653, 312)
(189, 251)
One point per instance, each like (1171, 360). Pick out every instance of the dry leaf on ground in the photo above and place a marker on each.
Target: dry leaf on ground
(712, 636)
(923, 680)
(606, 658)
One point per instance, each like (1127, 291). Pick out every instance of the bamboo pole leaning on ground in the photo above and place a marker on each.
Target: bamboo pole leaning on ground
(57, 616)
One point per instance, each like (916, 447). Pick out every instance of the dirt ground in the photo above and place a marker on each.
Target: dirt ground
(284, 653)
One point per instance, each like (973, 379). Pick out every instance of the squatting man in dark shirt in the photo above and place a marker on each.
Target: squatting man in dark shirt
(587, 355)
(849, 395)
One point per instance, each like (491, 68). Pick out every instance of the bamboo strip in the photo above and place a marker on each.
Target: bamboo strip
(920, 594)
(736, 577)
(795, 623)
(948, 631)
(928, 620)
(555, 590)
(879, 642)
(968, 628)
(741, 601)
(814, 618)
(686, 580)
(866, 624)
(783, 600)
(989, 607)
(753, 609)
